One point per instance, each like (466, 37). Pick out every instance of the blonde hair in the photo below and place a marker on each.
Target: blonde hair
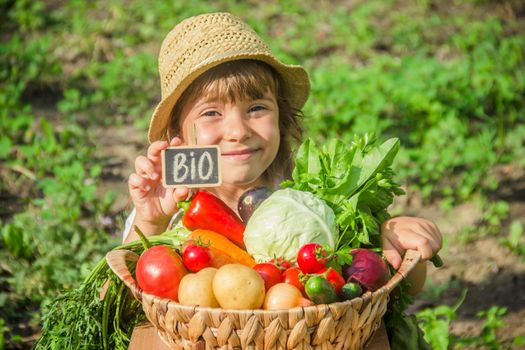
(248, 79)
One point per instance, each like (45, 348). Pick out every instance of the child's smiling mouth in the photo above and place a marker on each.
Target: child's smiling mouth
(243, 154)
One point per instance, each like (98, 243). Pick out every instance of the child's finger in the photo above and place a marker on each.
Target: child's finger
(136, 182)
(436, 235)
(145, 167)
(155, 148)
(176, 141)
(422, 244)
(435, 245)
(428, 235)
(425, 248)
(391, 254)
(181, 193)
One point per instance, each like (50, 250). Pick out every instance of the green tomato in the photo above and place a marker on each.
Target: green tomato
(351, 290)
(320, 291)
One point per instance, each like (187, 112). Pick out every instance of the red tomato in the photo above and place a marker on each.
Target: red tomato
(291, 276)
(270, 273)
(335, 278)
(159, 271)
(281, 263)
(310, 258)
(196, 257)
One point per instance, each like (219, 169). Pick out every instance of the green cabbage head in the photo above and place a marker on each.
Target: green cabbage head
(287, 220)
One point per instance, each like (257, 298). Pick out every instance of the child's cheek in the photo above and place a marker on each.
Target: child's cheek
(206, 136)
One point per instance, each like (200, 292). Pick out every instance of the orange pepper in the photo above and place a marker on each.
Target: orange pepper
(222, 250)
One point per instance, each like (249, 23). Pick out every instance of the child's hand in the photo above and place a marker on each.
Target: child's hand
(402, 233)
(154, 203)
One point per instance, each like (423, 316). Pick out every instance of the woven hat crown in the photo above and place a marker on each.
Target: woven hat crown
(200, 43)
(198, 39)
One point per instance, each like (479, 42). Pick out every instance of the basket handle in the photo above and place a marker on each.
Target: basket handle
(117, 261)
(410, 260)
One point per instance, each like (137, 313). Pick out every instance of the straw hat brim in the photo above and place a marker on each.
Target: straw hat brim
(294, 77)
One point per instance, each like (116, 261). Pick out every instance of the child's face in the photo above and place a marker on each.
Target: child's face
(247, 132)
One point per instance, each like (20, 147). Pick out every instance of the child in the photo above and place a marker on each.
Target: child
(219, 76)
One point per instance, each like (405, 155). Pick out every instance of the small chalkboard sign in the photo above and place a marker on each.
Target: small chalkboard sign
(191, 166)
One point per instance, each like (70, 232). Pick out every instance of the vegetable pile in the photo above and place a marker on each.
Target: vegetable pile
(224, 275)
(300, 245)
(242, 284)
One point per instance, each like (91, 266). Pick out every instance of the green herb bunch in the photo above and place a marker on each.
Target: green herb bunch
(81, 319)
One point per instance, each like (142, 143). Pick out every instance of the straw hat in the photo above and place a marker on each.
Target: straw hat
(199, 43)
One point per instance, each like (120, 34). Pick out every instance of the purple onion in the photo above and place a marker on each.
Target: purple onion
(367, 268)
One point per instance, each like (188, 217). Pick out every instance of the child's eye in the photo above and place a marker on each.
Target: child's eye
(257, 108)
(210, 113)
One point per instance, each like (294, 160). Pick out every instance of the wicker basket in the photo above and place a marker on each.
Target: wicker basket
(343, 325)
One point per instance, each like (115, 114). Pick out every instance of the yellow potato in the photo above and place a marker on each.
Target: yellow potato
(238, 286)
(196, 288)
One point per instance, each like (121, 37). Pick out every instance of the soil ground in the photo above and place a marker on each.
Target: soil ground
(490, 272)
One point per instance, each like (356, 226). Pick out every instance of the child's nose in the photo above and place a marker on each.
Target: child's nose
(236, 126)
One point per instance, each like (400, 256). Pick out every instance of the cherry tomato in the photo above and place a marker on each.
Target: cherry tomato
(335, 278)
(159, 271)
(281, 263)
(270, 273)
(292, 276)
(196, 257)
(310, 258)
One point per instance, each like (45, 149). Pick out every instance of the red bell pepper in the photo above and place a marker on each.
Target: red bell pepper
(206, 211)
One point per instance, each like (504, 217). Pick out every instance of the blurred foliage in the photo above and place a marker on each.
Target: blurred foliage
(436, 324)
(447, 78)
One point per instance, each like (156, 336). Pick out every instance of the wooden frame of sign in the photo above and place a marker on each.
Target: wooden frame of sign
(191, 166)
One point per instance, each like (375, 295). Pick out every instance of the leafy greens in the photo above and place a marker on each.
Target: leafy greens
(355, 180)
